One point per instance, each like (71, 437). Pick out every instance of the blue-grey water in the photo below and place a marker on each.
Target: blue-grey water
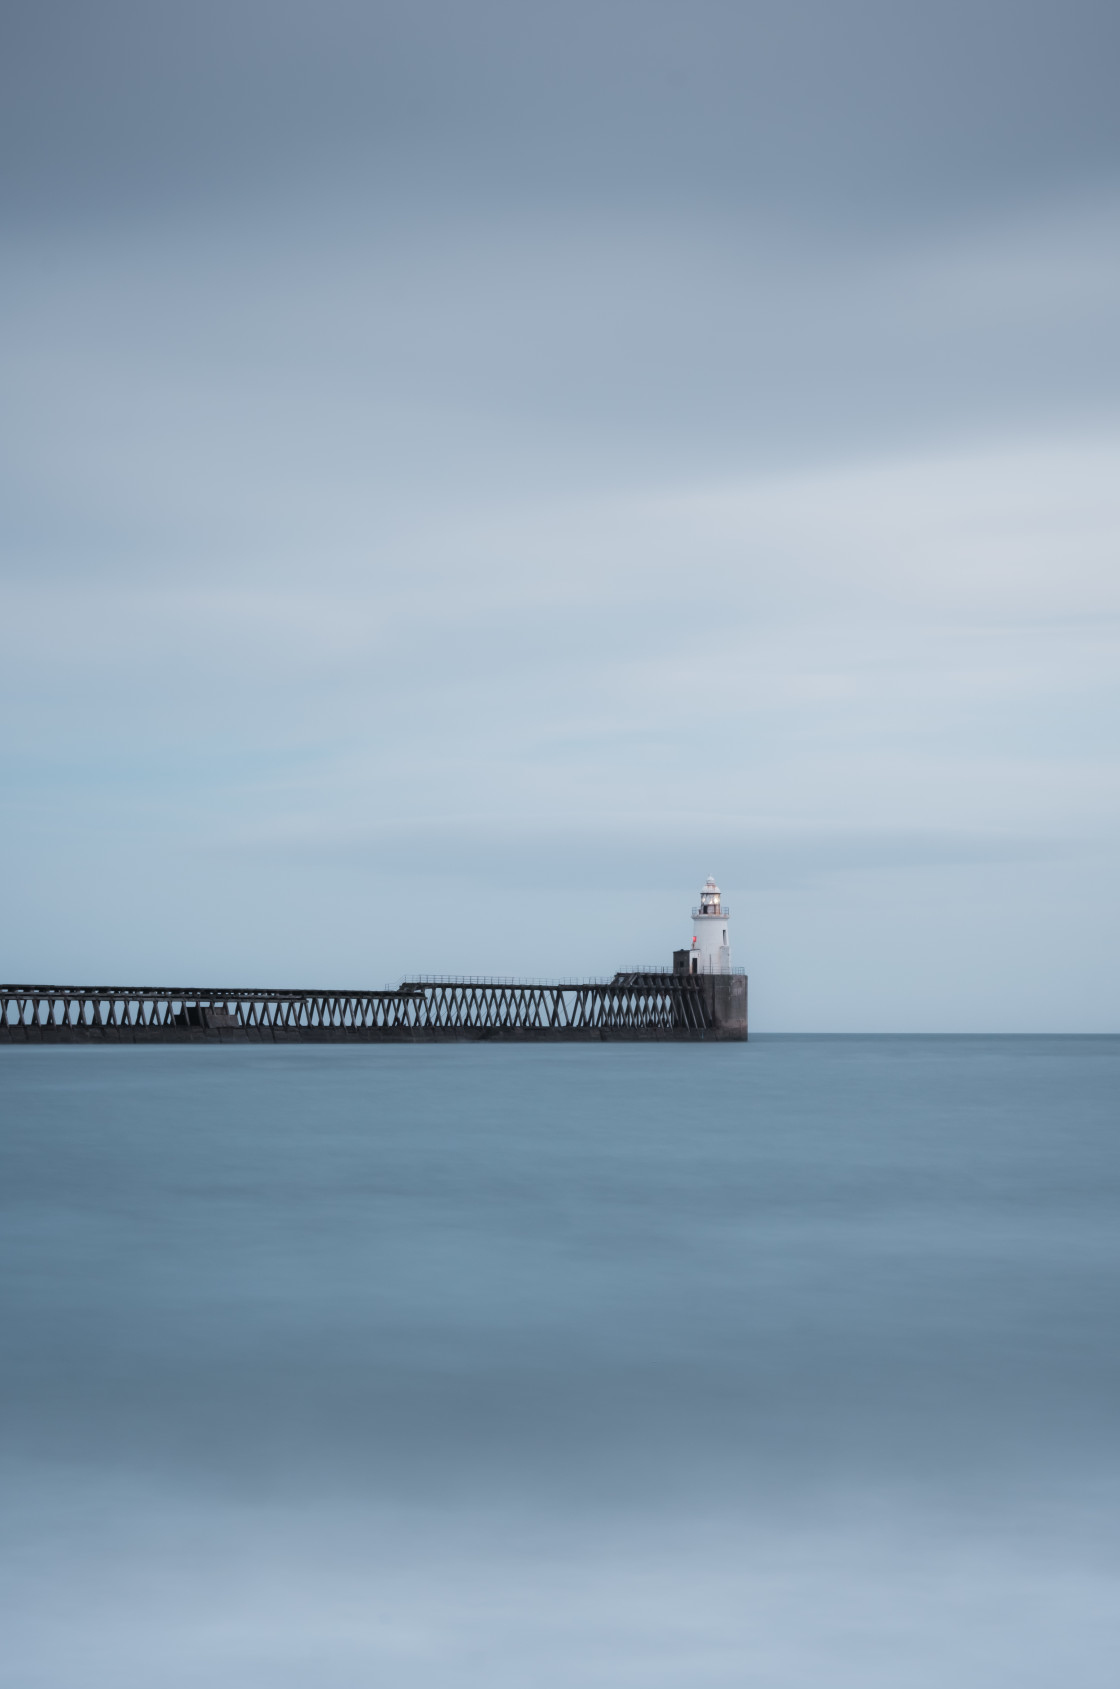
(795, 1363)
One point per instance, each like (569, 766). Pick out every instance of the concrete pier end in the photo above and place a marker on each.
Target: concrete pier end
(727, 1004)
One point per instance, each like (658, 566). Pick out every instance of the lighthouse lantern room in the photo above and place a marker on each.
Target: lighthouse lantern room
(710, 951)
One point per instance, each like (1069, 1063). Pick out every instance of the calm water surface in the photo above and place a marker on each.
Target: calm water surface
(787, 1364)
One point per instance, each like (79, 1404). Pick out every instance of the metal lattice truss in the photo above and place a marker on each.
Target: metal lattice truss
(629, 1006)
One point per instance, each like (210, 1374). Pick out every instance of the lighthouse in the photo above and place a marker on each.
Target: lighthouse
(710, 950)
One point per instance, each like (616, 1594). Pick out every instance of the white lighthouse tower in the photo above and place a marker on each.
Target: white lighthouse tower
(710, 951)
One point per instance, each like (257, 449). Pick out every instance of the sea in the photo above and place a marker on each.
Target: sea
(793, 1364)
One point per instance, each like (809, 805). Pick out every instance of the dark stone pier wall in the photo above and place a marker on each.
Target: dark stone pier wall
(727, 1004)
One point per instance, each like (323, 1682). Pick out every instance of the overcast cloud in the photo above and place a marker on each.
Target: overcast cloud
(451, 451)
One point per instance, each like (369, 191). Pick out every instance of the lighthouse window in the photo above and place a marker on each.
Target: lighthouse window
(725, 935)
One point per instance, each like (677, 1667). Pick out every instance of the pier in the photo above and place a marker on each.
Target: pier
(628, 1006)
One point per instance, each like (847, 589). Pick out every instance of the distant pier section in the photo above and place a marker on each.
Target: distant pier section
(702, 997)
(629, 1006)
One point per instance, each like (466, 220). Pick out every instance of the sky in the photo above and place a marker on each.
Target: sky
(468, 471)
